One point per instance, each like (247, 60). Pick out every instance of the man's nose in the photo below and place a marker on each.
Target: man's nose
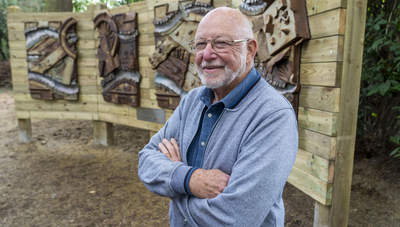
(209, 52)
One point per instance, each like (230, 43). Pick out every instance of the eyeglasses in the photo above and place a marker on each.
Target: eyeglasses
(219, 44)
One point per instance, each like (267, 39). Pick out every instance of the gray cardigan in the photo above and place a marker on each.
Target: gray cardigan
(255, 143)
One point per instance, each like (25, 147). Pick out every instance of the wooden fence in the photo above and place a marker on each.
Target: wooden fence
(330, 77)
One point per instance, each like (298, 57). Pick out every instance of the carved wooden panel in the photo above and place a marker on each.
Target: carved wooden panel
(118, 57)
(280, 27)
(51, 56)
(174, 28)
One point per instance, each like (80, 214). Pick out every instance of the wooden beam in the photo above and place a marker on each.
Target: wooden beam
(328, 23)
(318, 121)
(318, 167)
(321, 74)
(347, 122)
(312, 186)
(320, 98)
(318, 144)
(318, 6)
(25, 130)
(323, 50)
(60, 115)
(103, 133)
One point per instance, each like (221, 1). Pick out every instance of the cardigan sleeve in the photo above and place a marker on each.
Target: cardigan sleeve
(157, 172)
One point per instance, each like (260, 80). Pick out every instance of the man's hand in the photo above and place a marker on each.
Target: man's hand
(208, 183)
(170, 149)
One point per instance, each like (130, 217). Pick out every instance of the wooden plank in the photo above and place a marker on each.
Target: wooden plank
(146, 17)
(314, 165)
(146, 51)
(347, 122)
(146, 29)
(328, 24)
(323, 50)
(320, 98)
(87, 71)
(16, 36)
(139, 6)
(321, 74)
(21, 54)
(86, 44)
(60, 115)
(318, 6)
(26, 97)
(145, 83)
(146, 40)
(54, 16)
(147, 72)
(54, 106)
(117, 109)
(87, 62)
(130, 121)
(312, 186)
(86, 53)
(17, 45)
(149, 103)
(145, 93)
(318, 121)
(318, 144)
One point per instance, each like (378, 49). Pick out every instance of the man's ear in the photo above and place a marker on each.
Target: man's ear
(251, 50)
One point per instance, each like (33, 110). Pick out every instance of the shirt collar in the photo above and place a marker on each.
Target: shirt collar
(237, 94)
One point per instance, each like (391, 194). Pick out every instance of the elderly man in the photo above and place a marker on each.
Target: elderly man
(225, 154)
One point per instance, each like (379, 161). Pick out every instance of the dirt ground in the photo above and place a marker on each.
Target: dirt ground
(62, 179)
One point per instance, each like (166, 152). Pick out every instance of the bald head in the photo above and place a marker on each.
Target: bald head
(230, 19)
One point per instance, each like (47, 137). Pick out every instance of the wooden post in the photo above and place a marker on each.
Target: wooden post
(347, 121)
(103, 133)
(14, 9)
(24, 125)
(25, 130)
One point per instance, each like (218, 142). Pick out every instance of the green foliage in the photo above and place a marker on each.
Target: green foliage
(26, 6)
(380, 77)
(81, 5)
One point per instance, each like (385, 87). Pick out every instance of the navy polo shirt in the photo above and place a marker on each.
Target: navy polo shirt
(210, 116)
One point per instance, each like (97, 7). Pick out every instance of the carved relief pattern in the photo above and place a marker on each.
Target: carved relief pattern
(117, 55)
(172, 59)
(280, 27)
(51, 56)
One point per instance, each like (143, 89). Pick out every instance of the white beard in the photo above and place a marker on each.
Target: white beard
(214, 81)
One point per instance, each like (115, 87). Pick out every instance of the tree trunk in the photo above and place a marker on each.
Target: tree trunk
(58, 5)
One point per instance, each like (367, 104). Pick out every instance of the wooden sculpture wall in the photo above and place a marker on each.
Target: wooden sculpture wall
(51, 56)
(118, 57)
(173, 31)
(280, 27)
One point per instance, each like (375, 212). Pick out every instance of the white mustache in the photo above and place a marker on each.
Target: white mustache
(210, 64)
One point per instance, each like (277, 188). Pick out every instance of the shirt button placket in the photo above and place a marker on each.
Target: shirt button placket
(203, 144)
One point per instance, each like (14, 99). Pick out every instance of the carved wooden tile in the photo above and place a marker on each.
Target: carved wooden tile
(51, 56)
(118, 57)
(174, 28)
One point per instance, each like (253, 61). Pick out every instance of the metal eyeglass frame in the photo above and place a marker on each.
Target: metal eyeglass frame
(194, 49)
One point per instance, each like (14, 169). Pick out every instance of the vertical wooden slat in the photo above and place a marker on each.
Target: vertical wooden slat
(347, 121)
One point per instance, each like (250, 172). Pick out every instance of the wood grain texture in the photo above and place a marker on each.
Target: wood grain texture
(328, 23)
(60, 115)
(312, 186)
(318, 121)
(320, 6)
(320, 98)
(347, 124)
(313, 164)
(321, 74)
(318, 144)
(323, 50)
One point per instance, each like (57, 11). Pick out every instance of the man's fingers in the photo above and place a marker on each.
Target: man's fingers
(164, 150)
(177, 149)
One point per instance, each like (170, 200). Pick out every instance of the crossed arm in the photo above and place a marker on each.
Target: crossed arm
(203, 183)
